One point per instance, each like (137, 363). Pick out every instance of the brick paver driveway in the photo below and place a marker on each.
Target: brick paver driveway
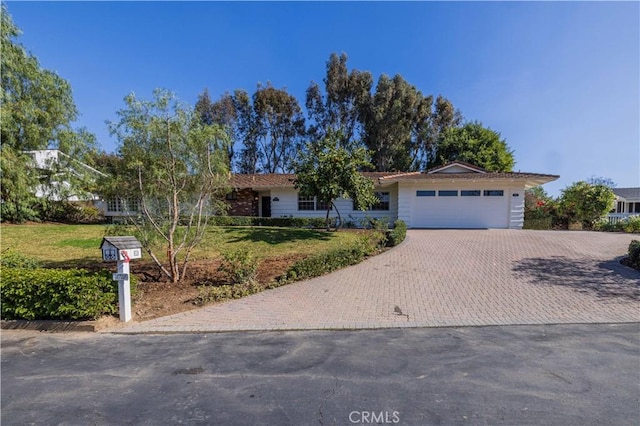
(445, 278)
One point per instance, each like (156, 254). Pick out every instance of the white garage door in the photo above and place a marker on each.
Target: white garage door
(460, 209)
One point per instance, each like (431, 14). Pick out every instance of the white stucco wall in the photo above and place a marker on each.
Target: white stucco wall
(287, 205)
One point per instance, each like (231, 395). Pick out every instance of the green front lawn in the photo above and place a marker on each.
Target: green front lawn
(79, 244)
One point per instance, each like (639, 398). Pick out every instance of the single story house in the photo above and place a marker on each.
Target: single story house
(456, 195)
(627, 203)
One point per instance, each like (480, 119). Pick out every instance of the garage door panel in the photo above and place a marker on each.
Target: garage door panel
(460, 212)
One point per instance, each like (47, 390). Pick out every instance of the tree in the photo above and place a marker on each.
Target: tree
(475, 145)
(599, 180)
(36, 111)
(250, 155)
(279, 126)
(329, 171)
(585, 203)
(270, 125)
(181, 170)
(223, 113)
(340, 109)
(397, 125)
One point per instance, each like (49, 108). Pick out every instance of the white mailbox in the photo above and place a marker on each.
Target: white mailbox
(122, 250)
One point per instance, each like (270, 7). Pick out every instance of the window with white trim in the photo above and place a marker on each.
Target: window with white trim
(306, 203)
(383, 204)
(117, 204)
(311, 203)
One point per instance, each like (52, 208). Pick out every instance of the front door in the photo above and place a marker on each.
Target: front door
(266, 206)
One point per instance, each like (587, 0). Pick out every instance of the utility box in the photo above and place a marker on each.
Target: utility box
(122, 250)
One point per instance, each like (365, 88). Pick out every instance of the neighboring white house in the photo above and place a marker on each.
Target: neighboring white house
(457, 195)
(57, 165)
(627, 203)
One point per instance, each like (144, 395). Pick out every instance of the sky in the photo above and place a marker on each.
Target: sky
(560, 81)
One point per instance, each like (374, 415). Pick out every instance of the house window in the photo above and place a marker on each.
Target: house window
(634, 208)
(233, 195)
(473, 193)
(493, 193)
(447, 193)
(383, 201)
(382, 204)
(306, 203)
(620, 207)
(112, 204)
(123, 205)
(425, 193)
(321, 205)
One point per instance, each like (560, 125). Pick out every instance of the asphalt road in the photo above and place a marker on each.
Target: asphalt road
(517, 375)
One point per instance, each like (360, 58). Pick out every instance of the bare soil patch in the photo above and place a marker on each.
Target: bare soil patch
(156, 297)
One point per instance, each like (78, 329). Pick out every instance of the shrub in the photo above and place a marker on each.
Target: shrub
(333, 259)
(240, 266)
(538, 224)
(57, 293)
(284, 222)
(631, 224)
(634, 255)
(12, 259)
(209, 294)
(397, 234)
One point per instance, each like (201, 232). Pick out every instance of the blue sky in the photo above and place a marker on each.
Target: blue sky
(559, 80)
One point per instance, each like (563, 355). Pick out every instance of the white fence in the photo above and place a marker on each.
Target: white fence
(614, 218)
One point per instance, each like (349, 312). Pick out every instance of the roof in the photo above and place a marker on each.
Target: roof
(460, 164)
(627, 193)
(275, 180)
(122, 243)
(438, 174)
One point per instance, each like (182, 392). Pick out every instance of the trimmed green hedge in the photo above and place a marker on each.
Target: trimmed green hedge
(69, 294)
(544, 223)
(396, 235)
(284, 222)
(331, 260)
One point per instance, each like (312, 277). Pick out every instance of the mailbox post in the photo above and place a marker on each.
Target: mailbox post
(122, 250)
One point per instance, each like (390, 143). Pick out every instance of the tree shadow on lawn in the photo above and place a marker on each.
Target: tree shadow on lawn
(608, 279)
(89, 263)
(279, 235)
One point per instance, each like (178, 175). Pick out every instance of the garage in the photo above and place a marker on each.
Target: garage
(460, 208)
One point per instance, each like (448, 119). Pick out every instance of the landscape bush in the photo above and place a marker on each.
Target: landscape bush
(396, 235)
(284, 222)
(69, 294)
(240, 266)
(210, 294)
(540, 224)
(13, 259)
(634, 255)
(333, 259)
(629, 225)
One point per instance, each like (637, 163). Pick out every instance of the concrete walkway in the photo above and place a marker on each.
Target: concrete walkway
(444, 278)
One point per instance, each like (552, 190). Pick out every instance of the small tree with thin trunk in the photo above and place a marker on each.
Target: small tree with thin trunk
(328, 171)
(177, 170)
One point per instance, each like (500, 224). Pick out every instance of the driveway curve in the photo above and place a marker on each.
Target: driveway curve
(444, 278)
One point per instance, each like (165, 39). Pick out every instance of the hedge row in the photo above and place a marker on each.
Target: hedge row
(629, 225)
(69, 294)
(396, 235)
(285, 222)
